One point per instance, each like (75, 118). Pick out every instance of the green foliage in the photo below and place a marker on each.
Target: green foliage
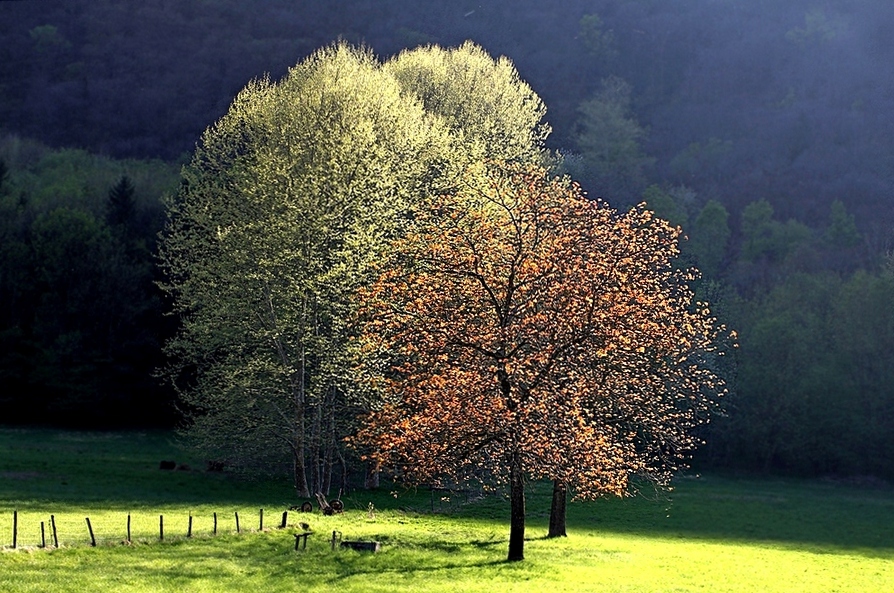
(841, 232)
(45, 178)
(766, 238)
(120, 205)
(701, 160)
(279, 213)
(663, 204)
(600, 43)
(709, 238)
(785, 373)
(610, 143)
(814, 393)
(862, 327)
(490, 112)
(284, 210)
(79, 315)
(4, 175)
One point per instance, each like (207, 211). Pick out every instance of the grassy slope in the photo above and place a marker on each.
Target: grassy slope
(713, 534)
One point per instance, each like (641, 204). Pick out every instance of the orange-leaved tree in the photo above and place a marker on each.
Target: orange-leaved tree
(524, 331)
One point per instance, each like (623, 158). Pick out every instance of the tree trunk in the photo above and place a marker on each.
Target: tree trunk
(316, 454)
(517, 513)
(327, 468)
(299, 451)
(299, 447)
(331, 439)
(372, 475)
(557, 510)
(301, 487)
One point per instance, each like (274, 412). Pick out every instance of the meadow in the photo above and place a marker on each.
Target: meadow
(711, 533)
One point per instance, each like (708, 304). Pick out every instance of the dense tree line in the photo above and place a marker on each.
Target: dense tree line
(786, 101)
(81, 321)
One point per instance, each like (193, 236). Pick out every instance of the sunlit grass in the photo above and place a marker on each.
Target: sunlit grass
(712, 534)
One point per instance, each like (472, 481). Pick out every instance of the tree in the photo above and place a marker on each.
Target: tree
(489, 111)
(121, 205)
(610, 141)
(841, 231)
(532, 333)
(663, 204)
(765, 238)
(710, 236)
(286, 203)
(283, 201)
(82, 321)
(598, 42)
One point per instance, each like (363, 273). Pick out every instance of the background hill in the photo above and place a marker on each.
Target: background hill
(764, 128)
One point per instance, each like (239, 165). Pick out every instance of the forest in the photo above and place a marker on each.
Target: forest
(763, 129)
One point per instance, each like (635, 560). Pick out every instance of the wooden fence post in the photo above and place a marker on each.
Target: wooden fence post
(215, 524)
(237, 522)
(55, 535)
(128, 528)
(15, 528)
(261, 520)
(189, 529)
(161, 527)
(285, 516)
(43, 536)
(90, 529)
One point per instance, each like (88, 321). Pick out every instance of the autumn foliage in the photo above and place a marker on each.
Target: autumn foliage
(526, 331)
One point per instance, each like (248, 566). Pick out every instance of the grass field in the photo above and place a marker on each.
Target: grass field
(712, 534)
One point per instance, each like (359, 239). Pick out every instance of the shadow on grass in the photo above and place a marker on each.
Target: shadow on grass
(350, 570)
(116, 469)
(805, 514)
(266, 563)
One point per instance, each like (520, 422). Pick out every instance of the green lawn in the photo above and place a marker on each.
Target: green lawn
(712, 534)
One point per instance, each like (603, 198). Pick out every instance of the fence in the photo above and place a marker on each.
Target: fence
(32, 530)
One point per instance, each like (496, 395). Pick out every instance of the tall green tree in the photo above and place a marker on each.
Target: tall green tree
(121, 205)
(709, 237)
(288, 200)
(80, 316)
(841, 231)
(610, 141)
(285, 199)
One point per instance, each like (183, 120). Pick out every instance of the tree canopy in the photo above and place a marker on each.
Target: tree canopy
(530, 332)
(287, 201)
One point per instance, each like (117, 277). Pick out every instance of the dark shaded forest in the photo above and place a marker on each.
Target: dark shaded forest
(764, 129)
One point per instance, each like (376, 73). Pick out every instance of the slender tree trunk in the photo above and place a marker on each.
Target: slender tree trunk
(326, 466)
(344, 470)
(372, 475)
(316, 453)
(299, 449)
(517, 513)
(331, 437)
(297, 382)
(301, 487)
(557, 510)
